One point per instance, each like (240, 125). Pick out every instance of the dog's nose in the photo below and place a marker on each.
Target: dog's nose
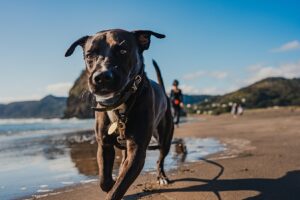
(103, 77)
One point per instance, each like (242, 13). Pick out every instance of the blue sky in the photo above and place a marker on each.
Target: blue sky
(212, 47)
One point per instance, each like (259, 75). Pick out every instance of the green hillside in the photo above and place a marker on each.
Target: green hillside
(268, 92)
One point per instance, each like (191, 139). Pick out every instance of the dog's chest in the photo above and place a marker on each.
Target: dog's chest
(112, 116)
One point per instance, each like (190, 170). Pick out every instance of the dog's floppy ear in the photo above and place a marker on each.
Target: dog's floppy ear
(143, 38)
(81, 41)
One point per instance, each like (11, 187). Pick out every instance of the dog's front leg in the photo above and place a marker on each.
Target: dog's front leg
(105, 156)
(130, 169)
(106, 152)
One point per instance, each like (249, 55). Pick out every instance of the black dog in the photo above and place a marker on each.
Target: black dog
(130, 107)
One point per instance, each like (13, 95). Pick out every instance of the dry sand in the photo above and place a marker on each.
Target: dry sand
(262, 162)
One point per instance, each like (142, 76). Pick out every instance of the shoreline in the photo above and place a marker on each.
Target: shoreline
(78, 152)
(152, 173)
(263, 165)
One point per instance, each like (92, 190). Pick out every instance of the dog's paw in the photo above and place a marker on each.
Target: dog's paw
(162, 181)
(107, 185)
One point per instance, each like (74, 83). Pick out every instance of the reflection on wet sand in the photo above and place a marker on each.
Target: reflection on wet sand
(180, 150)
(83, 155)
(52, 152)
(32, 162)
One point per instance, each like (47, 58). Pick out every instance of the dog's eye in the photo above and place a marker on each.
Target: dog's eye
(122, 51)
(89, 56)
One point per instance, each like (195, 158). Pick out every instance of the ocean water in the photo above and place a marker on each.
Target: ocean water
(17, 128)
(39, 155)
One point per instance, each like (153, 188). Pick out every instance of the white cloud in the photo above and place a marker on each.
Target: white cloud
(200, 74)
(260, 71)
(193, 76)
(189, 89)
(210, 90)
(219, 74)
(253, 74)
(59, 89)
(289, 46)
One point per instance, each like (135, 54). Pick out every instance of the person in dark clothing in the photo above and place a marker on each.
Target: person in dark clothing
(176, 100)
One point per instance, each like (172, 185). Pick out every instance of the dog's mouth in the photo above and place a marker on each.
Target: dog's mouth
(108, 99)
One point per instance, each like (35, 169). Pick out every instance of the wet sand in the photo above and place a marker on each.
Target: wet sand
(261, 162)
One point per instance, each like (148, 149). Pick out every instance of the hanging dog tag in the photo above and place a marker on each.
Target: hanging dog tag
(112, 128)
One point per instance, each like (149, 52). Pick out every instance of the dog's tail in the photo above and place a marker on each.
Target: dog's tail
(158, 74)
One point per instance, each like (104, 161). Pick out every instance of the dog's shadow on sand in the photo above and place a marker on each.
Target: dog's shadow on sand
(285, 187)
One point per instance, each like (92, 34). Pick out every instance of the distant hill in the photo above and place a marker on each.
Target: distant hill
(265, 93)
(268, 92)
(80, 101)
(48, 107)
(192, 99)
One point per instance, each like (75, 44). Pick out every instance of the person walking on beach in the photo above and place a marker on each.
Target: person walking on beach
(237, 109)
(176, 100)
(234, 109)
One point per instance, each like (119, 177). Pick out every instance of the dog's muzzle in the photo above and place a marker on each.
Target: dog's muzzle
(108, 100)
(114, 100)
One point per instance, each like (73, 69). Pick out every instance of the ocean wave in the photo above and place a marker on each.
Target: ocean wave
(27, 128)
(46, 133)
(20, 121)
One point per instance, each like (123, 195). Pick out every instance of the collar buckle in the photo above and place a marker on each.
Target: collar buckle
(137, 81)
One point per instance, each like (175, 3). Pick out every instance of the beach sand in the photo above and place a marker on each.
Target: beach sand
(261, 162)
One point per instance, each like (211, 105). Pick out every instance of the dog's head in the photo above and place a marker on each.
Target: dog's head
(112, 58)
